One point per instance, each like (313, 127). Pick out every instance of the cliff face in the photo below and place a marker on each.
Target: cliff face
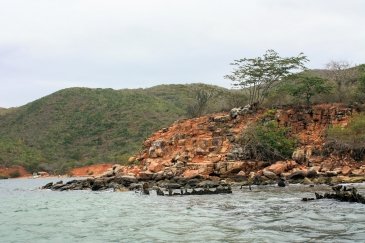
(207, 147)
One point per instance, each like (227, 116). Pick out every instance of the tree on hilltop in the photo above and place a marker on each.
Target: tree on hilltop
(342, 74)
(257, 76)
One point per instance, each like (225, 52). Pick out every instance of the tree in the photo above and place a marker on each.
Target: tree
(306, 86)
(342, 74)
(360, 89)
(259, 75)
(202, 97)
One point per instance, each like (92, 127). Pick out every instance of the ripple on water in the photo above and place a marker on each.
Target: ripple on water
(265, 214)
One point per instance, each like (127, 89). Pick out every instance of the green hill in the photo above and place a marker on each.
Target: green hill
(79, 126)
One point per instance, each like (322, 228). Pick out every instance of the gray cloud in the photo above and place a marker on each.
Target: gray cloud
(48, 45)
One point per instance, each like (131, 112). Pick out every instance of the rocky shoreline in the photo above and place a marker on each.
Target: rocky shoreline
(193, 186)
(204, 154)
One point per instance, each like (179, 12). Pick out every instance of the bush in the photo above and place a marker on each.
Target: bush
(14, 174)
(267, 141)
(347, 140)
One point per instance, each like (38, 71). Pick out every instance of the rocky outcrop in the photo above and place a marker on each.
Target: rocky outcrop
(207, 148)
(174, 187)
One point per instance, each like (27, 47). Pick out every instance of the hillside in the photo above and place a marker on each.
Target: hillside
(79, 126)
(3, 111)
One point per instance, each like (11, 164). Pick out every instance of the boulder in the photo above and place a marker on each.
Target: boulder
(331, 173)
(155, 166)
(277, 168)
(108, 173)
(234, 113)
(127, 178)
(234, 167)
(208, 184)
(173, 186)
(269, 174)
(312, 173)
(326, 166)
(307, 181)
(200, 151)
(299, 174)
(357, 172)
(346, 170)
(190, 173)
(145, 175)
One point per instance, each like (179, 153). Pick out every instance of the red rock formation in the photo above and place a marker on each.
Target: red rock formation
(203, 146)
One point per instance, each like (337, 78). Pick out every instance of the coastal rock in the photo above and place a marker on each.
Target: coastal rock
(277, 168)
(269, 174)
(326, 166)
(208, 184)
(357, 172)
(312, 173)
(155, 166)
(346, 170)
(146, 175)
(307, 181)
(331, 173)
(299, 174)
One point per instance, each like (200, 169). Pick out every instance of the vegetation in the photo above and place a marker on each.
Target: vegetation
(267, 141)
(342, 74)
(258, 76)
(348, 140)
(360, 86)
(81, 126)
(306, 86)
(14, 174)
(202, 98)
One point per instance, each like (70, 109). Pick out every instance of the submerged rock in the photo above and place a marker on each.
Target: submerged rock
(341, 193)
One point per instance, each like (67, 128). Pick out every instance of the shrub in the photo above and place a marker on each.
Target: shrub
(14, 174)
(347, 140)
(267, 141)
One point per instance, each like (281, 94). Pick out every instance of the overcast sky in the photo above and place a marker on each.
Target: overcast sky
(49, 45)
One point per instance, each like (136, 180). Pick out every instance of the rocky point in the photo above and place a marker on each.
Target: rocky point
(204, 153)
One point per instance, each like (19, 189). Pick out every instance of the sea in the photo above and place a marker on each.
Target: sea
(263, 214)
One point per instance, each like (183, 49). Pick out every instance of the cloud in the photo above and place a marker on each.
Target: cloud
(46, 45)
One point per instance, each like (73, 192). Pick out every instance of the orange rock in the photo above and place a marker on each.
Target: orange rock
(278, 167)
(291, 164)
(155, 167)
(190, 173)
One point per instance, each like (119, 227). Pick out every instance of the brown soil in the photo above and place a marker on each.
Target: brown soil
(91, 170)
(13, 172)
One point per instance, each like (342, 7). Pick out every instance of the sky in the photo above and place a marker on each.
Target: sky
(49, 45)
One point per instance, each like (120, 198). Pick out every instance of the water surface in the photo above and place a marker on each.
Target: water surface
(265, 214)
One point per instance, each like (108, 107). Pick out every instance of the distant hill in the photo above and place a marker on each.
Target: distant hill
(3, 110)
(79, 126)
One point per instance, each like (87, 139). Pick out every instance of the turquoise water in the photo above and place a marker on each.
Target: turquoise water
(265, 214)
